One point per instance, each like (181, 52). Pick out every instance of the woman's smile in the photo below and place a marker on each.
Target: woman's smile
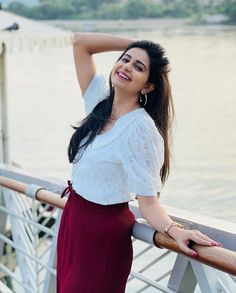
(122, 75)
(132, 67)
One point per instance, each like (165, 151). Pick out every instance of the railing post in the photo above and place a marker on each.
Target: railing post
(208, 279)
(4, 147)
(187, 271)
(3, 221)
(50, 280)
(182, 278)
(4, 154)
(186, 274)
(20, 237)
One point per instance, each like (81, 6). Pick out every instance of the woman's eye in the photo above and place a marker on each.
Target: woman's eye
(125, 60)
(139, 68)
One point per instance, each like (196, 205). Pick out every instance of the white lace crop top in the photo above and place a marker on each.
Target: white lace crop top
(124, 161)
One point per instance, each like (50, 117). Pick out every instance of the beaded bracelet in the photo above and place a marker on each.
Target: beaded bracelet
(173, 224)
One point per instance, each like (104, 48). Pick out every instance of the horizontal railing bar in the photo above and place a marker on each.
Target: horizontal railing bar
(233, 278)
(40, 270)
(42, 239)
(16, 247)
(12, 244)
(41, 282)
(220, 230)
(163, 276)
(154, 261)
(42, 228)
(157, 280)
(45, 196)
(4, 288)
(150, 264)
(6, 211)
(13, 276)
(221, 287)
(214, 256)
(18, 209)
(22, 175)
(149, 282)
(142, 252)
(217, 257)
(227, 229)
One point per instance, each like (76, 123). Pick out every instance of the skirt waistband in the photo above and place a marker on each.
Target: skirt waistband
(95, 207)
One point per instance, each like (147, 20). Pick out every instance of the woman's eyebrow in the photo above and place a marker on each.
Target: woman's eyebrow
(138, 61)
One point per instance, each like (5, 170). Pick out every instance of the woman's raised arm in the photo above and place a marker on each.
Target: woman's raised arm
(87, 44)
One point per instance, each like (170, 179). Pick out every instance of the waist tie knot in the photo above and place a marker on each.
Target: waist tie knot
(68, 189)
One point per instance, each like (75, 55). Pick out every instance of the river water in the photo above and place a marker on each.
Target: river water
(44, 100)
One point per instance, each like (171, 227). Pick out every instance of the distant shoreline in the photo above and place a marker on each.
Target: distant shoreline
(106, 25)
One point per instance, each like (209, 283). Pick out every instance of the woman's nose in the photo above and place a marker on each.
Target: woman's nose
(127, 66)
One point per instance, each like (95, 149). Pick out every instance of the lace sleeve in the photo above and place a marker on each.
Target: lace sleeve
(143, 157)
(97, 91)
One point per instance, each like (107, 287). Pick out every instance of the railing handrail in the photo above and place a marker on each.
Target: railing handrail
(217, 257)
(189, 219)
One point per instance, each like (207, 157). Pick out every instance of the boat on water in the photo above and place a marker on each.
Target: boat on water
(29, 218)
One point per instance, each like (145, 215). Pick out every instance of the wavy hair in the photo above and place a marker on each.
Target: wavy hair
(159, 106)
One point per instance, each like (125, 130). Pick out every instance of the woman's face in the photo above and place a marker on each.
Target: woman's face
(131, 72)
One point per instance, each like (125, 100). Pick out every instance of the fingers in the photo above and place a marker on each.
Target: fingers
(203, 239)
(185, 248)
(188, 237)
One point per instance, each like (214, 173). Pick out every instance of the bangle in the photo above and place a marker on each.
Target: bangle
(173, 224)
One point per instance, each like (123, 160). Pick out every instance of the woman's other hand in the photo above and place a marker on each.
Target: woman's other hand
(185, 238)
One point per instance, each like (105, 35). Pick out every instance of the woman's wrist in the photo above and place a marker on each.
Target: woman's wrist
(173, 228)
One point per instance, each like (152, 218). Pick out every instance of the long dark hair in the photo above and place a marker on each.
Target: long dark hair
(159, 106)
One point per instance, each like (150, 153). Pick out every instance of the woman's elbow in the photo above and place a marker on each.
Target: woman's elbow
(145, 202)
(77, 39)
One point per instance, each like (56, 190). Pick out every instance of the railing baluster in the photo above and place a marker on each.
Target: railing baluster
(43, 257)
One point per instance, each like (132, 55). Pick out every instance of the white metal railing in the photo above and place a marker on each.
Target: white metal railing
(28, 235)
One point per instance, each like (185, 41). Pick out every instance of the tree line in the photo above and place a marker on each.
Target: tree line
(129, 9)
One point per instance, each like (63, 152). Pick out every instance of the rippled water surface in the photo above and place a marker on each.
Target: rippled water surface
(44, 100)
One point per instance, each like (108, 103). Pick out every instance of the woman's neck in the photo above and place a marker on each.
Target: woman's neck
(123, 104)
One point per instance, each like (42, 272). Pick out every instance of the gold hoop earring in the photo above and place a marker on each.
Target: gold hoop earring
(141, 97)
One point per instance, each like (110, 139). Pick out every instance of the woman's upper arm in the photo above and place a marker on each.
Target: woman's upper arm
(145, 201)
(142, 158)
(84, 64)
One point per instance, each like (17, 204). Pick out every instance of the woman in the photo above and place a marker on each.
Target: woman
(119, 151)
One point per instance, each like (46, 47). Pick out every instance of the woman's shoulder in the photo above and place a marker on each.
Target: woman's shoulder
(98, 84)
(96, 92)
(143, 126)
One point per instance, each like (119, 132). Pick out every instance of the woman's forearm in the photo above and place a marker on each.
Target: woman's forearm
(95, 43)
(155, 215)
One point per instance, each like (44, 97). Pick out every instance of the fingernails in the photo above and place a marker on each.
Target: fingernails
(216, 244)
(195, 254)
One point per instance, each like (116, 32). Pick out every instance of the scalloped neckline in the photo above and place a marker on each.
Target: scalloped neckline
(117, 121)
(121, 125)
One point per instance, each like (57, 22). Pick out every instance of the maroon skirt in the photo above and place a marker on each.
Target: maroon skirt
(94, 247)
